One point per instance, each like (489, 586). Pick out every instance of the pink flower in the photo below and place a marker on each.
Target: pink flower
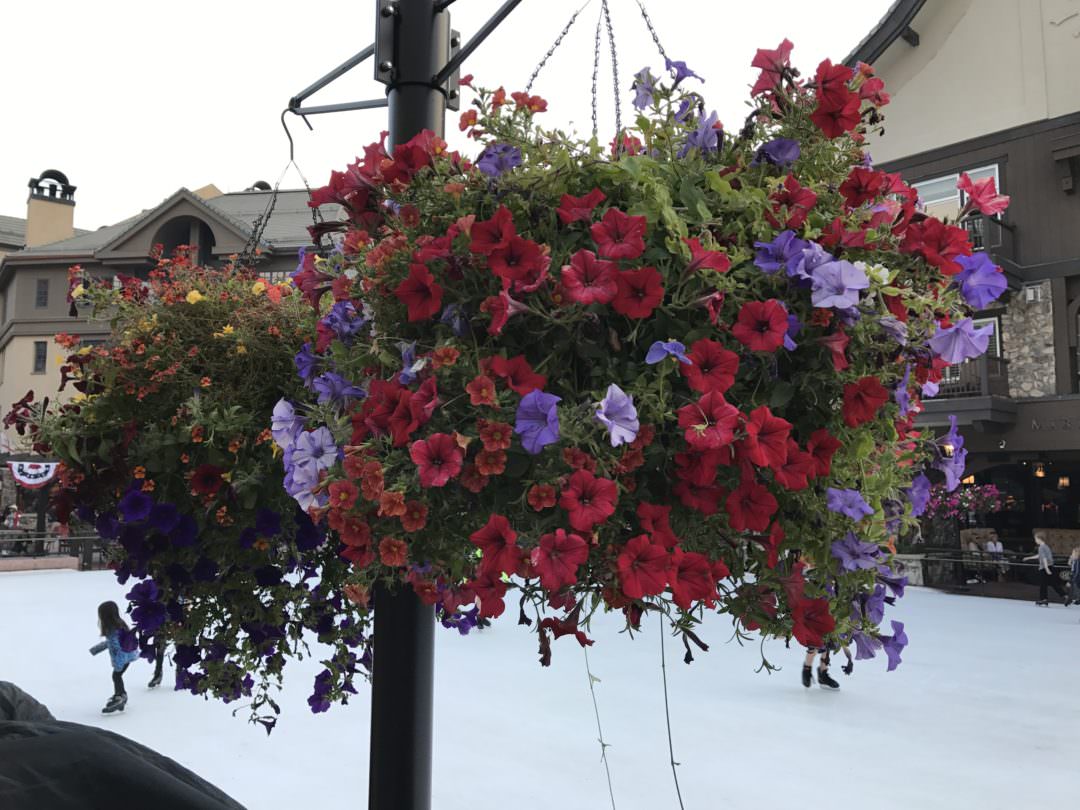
(983, 195)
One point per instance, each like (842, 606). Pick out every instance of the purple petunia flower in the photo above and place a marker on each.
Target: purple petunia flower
(679, 71)
(981, 282)
(454, 317)
(617, 413)
(900, 393)
(952, 457)
(895, 644)
(836, 284)
(498, 159)
(777, 152)
(706, 137)
(315, 450)
(811, 257)
(854, 554)
(794, 326)
(893, 581)
(345, 321)
(164, 517)
(847, 502)
(663, 349)
(961, 342)
(894, 328)
(107, 526)
(781, 252)
(930, 389)
(918, 494)
(874, 605)
(332, 387)
(135, 506)
(306, 363)
(186, 532)
(644, 86)
(285, 425)
(410, 366)
(865, 645)
(683, 111)
(537, 420)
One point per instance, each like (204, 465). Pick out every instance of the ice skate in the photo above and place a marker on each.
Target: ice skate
(806, 679)
(155, 681)
(825, 680)
(115, 704)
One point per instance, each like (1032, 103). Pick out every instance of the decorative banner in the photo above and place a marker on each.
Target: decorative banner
(32, 474)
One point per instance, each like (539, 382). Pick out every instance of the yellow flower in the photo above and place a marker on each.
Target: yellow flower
(85, 350)
(257, 288)
(226, 330)
(241, 348)
(194, 297)
(79, 291)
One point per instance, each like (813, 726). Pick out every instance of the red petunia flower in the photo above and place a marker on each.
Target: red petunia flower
(862, 186)
(713, 369)
(415, 517)
(772, 63)
(517, 372)
(493, 234)
(472, 480)
(500, 307)
(772, 543)
(691, 579)
(703, 499)
(654, 520)
(862, 400)
(699, 467)
(704, 259)
(750, 507)
(522, 262)
(837, 344)
(495, 435)
(835, 117)
(811, 622)
(793, 201)
(490, 590)
(557, 558)
(982, 195)
(643, 568)
(938, 243)
(420, 293)
(588, 280)
(797, 470)
(565, 627)
(835, 234)
(709, 423)
(639, 292)
(393, 552)
(588, 500)
(481, 391)
(619, 235)
(523, 101)
(438, 459)
(832, 82)
(572, 209)
(498, 546)
(761, 325)
(206, 479)
(343, 494)
(766, 440)
(541, 497)
(822, 446)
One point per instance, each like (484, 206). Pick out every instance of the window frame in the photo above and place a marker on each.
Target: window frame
(44, 345)
(958, 195)
(41, 284)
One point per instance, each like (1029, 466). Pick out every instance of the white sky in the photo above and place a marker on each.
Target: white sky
(133, 100)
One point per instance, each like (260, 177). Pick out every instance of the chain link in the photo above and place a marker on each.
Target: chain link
(614, 68)
(555, 45)
(655, 37)
(596, 72)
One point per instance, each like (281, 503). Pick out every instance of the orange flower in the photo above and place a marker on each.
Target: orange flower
(197, 434)
(498, 98)
(392, 504)
(139, 472)
(415, 517)
(468, 119)
(481, 391)
(205, 382)
(371, 480)
(260, 544)
(264, 437)
(148, 486)
(234, 446)
(393, 552)
(343, 494)
(491, 462)
(541, 496)
(357, 594)
(444, 356)
(455, 189)
(472, 480)
(495, 435)
(222, 516)
(184, 458)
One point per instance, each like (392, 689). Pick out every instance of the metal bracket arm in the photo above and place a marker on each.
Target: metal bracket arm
(466, 51)
(336, 73)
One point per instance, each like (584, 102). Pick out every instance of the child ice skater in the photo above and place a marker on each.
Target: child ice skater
(111, 628)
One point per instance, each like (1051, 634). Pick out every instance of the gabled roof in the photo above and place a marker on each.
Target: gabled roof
(896, 21)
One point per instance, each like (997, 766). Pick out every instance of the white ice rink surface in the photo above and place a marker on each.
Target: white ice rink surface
(983, 713)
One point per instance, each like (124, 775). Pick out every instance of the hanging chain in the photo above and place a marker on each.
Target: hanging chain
(555, 45)
(596, 72)
(614, 68)
(667, 717)
(655, 38)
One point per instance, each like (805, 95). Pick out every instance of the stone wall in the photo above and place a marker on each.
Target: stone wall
(1027, 339)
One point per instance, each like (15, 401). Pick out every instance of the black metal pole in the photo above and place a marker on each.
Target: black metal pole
(403, 667)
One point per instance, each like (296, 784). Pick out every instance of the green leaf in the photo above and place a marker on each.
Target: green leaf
(781, 394)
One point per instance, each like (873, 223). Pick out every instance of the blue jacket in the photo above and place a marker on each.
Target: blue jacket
(118, 655)
(1074, 572)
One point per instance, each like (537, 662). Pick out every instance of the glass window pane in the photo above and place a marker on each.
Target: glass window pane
(938, 189)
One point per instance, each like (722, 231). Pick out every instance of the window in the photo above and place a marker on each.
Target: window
(941, 197)
(41, 354)
(41, 293)
(951, 374)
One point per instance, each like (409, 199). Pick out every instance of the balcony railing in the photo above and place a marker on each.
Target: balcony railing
(982, 377)
(990, 234)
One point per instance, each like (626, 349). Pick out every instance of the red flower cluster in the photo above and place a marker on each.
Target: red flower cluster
(838, 107)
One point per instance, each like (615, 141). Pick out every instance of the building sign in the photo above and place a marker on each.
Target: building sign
(32, 474)
(1061, 423)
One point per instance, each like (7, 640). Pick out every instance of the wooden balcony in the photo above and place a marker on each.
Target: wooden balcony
(982, 377)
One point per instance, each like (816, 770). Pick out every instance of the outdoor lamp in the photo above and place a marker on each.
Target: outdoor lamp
(1063, 482)
(1040, 471)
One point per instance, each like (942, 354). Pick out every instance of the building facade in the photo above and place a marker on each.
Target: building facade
(989, 87)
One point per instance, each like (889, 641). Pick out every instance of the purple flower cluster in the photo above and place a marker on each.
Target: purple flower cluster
(499, 158)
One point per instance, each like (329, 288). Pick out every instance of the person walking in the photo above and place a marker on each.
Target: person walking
(1074, 575)
(1045, 556)
(113, 628)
